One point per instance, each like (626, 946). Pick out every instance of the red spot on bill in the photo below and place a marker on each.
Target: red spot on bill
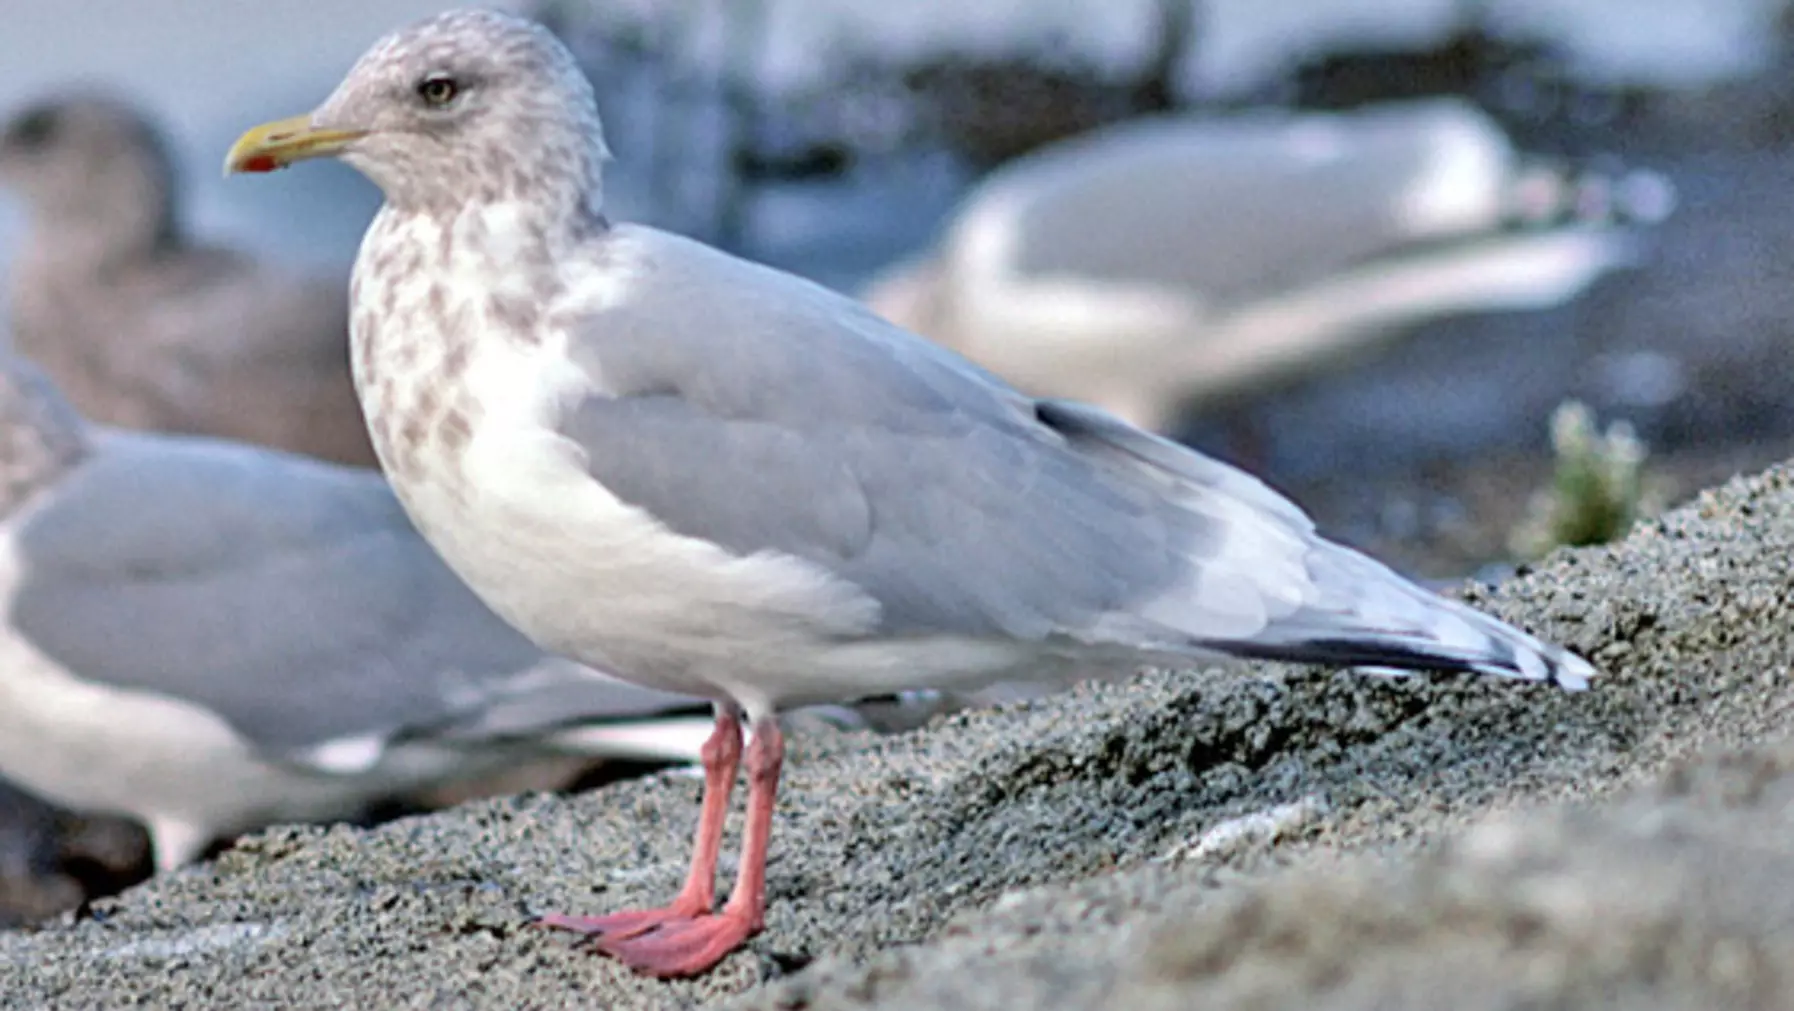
(259, 163)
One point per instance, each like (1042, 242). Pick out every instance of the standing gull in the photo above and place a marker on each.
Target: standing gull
(144, 327)
(719, 479)
(211, 637)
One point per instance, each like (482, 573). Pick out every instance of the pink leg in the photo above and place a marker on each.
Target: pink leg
(721, 756)
(691, 946)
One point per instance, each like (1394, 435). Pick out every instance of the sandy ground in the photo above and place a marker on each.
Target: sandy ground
(1266, 837)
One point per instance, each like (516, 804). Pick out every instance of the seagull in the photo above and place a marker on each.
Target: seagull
(718, 479)
(145, 327)
(211, 637)
(1180, 259)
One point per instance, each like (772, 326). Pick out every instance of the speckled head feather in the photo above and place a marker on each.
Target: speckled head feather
(472, 105)
(41, 433)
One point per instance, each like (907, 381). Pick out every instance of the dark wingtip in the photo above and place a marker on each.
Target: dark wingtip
(1562, 668)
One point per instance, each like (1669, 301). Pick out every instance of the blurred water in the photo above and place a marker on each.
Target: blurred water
(1682, 41)
(208, 69)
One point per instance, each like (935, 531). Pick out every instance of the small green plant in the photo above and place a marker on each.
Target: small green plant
(1597, 490)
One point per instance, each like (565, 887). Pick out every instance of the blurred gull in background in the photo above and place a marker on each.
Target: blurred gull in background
(146, 328)
(1149, 264)
(212, 637)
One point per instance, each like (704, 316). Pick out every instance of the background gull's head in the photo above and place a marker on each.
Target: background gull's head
(464, 107)
(87, 162)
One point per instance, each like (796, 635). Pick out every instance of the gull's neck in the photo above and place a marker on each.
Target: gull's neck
(96, 245)
(511, 232)
(570, 199)
(437, 298)
(128, 217)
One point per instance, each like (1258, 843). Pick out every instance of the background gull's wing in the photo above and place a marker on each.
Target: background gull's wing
(290, 597)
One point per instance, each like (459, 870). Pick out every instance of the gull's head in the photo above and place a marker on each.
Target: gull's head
(463, 107)
(84, 159)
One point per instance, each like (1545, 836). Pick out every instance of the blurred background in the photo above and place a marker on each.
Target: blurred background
(844, 139)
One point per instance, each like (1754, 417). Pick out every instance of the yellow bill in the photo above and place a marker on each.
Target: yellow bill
(280, 143)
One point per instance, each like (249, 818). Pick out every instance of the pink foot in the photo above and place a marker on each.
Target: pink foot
(681, 947)
(685, 938)
(721, 755)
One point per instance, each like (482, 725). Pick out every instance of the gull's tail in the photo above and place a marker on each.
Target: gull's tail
(1262, 584)
(1364, 615)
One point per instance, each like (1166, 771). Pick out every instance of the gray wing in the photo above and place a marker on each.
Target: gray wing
(1234, 207)
(760, 412)
(290, 597)
(755, 410)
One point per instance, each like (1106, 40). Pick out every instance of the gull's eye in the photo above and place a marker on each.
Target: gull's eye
(438, 89)
(34, 129)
